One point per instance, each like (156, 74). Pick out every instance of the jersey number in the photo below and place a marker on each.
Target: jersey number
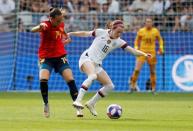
(148, 40)
(105, 48)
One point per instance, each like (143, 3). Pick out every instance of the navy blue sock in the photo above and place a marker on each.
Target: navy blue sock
(44, 90)
(73, 89)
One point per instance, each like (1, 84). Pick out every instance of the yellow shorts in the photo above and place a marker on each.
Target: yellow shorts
(150, 61)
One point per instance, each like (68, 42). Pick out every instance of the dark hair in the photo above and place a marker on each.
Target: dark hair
(54, 12)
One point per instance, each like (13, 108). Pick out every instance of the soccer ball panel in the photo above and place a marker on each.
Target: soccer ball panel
(114, 111)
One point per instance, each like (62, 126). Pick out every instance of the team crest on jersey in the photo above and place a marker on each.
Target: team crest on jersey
(108, 41)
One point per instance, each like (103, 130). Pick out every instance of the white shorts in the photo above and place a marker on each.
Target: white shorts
(84, 58)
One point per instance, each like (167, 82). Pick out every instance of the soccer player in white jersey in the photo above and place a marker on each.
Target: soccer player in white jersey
(90, 61)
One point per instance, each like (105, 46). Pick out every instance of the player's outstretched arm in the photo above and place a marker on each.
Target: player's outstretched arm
(80, 33)
(36, 29)
(67, 40)
(39, 27)
(136, 52)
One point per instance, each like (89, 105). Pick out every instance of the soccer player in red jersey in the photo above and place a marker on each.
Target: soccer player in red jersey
(52, 55)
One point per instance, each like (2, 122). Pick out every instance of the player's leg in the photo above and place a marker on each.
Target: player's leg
(134, 77)
(108, 86)
(152, 65)
(68, 76)
(88, 68)
(153, 76)
(64, 69)
(62, 66)
(44, 75)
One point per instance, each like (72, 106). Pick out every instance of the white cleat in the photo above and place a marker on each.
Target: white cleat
(79, 112)
(91, 109)
(46, 111)
(77, 104)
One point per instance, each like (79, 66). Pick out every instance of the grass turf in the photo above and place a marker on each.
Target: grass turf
(141, 112)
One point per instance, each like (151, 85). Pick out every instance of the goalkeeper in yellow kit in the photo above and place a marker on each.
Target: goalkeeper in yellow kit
(146, 42)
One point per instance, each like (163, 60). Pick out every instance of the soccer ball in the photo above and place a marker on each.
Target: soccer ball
(114, 111)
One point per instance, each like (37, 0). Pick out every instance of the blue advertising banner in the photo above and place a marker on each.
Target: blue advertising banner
(174, 69)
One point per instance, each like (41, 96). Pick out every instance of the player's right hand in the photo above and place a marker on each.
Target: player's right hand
(69, 34)
(148, 56)
(43, 26)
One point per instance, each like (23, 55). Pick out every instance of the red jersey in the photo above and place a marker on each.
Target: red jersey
(51, 44)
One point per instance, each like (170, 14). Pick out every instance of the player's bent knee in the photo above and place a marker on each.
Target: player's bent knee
(89, 80)
(152, 73)
(111, 86)
(68, 79)
(92, 77)
(106, 89)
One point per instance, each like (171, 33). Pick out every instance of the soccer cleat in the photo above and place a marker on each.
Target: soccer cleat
(46, 111)
(77, 104)
(91, 109)
(133, 90)
(133, 86)
(154, 92)
(79, 112)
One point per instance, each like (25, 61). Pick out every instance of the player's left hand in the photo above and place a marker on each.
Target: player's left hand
(160, 52)
(67, 40)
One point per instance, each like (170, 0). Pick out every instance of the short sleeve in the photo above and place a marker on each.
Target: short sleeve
(121, 43)
(97, 32)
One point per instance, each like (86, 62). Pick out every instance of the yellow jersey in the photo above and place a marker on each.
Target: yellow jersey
(146, 40)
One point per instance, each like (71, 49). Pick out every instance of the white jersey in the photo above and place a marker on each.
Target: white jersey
(103, 45)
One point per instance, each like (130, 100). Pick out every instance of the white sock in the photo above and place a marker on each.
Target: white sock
(80, 94)
(95, 98)
(101, 93)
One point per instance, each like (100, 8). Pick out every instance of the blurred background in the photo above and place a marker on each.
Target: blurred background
(18, 46)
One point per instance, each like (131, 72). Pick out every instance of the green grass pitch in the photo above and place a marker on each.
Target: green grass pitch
(141, 112)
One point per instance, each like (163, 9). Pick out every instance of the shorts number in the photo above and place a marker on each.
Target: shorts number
(64, 59)
(41, 61)
(105, 48)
